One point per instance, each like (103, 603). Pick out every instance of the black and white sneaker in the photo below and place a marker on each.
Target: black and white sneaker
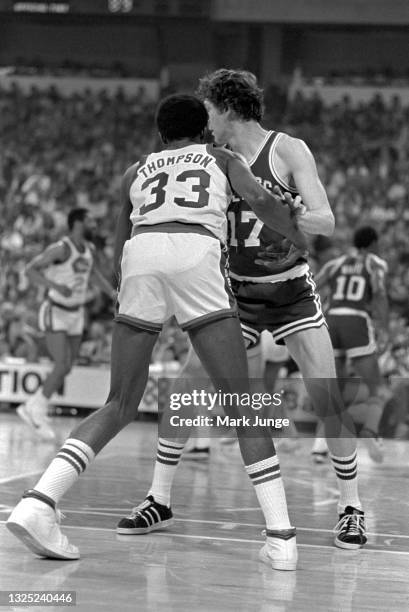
(196, 454)
(319, 457)
(146, 517)
(350, 530)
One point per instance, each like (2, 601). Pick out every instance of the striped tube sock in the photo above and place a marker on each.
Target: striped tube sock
(167, 461)
(346, 470)
(268, 485)
(63, 471)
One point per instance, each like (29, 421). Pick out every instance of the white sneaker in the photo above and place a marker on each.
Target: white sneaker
(374, 445)
(36, 525)
(36, 418)
(287, 445)
(375, 448)
(280, 550)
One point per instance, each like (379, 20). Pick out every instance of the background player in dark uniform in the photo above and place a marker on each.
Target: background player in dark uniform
(356, 291)
(282, 299)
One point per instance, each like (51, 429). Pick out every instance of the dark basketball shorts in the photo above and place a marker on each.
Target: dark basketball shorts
(283, 308)
(352, 332)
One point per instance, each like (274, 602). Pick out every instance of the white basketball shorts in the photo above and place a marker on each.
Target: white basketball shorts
(173, 274)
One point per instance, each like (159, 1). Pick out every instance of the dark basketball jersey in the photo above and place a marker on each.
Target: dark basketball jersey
(247, 234)
(352, 280)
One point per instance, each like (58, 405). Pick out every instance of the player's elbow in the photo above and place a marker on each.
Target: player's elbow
(30, 270)
(328, 224)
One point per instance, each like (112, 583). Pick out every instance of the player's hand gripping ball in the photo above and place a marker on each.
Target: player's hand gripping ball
(278, 260)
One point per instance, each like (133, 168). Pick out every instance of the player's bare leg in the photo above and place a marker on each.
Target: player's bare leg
(221, 351)
(35, 411)
(220, 348)
(198, 448)
(35, 519)
(319, 449)
(312, 351)
(367, 368)
(288, 443)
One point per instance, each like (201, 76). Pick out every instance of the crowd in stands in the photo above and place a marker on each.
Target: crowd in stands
(59, 152)
(388, 77)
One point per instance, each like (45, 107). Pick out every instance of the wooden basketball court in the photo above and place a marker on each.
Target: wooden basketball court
(207, 562)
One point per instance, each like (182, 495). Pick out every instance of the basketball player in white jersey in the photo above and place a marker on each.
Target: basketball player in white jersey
(284, 302)
(170, 250)
(65, 268)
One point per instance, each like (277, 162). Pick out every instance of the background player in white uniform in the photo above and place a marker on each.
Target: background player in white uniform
(65, 269)
(174, 207)
(356, 289)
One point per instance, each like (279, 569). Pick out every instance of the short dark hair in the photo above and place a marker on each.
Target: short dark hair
(237, 90)
(76, 214)
(181, 116)
(322, 243)
(365, 236)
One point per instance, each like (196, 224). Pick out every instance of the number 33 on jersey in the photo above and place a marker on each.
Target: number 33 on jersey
(186, 185)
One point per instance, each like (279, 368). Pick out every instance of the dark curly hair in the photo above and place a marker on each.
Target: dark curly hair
(236, 90)
(181, 116)
(365, 236)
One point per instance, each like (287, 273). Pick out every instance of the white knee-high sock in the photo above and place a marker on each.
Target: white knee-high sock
(167, 461)
(69, 463)
(346, 470)
(268, 485)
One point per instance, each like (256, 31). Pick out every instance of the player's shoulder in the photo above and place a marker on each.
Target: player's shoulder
(56, 252)
(62, 244)
(91, 247)
(223, 156)
(291, 147)
(332, 265)
(132, 172)
(376, 263)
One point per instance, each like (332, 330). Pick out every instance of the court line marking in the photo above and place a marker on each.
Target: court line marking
(19, 477)
(42, 470)
(218, 538)
(239, 524)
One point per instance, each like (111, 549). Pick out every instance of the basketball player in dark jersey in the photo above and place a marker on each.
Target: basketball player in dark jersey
(356, 295)
(282, 299)
(285, 303)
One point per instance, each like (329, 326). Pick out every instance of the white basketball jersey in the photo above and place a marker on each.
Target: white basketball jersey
(186, 185)
(74, 273)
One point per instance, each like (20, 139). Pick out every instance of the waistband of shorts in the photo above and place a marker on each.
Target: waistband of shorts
(345, 311)
(174, 227)
(65, 306)
(297, 271)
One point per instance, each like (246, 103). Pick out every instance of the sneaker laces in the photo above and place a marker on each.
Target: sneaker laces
(59, 516)
(138, 510)
(353, 523)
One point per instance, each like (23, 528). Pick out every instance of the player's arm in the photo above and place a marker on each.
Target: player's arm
(323, 276)
(267, 207)
(97, 278)
(124, 225)
(318, 217)
(36, 269)
(380, 305)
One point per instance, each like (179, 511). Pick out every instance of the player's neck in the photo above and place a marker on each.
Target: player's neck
(183, 142)
(78, 241)
(246, 138)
